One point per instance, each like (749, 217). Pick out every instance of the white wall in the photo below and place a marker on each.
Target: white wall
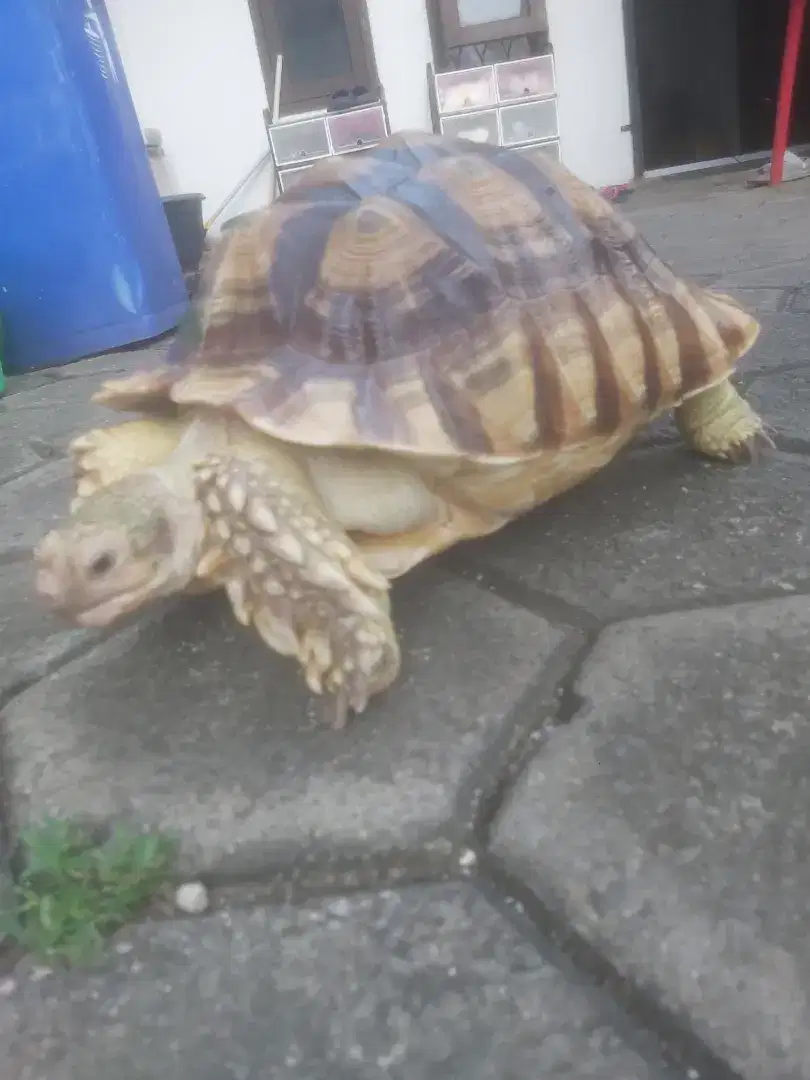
(589, 48)
(402, 49)
(194, 74)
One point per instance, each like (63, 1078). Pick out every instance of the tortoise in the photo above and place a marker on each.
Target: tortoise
(408, 349)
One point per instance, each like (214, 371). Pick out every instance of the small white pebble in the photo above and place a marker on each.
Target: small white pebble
(7, 987)
(693, 1074)
(467, 859)
(192, 898)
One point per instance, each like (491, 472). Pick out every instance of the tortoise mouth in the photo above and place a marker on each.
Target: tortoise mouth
(107, 611)
(100, 613)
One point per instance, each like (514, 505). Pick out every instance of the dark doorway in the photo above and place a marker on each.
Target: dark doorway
(707, 76)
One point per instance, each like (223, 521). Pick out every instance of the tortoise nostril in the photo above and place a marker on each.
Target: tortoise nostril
(101, 564)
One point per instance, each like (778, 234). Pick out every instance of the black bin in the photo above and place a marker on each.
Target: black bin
(184, 214)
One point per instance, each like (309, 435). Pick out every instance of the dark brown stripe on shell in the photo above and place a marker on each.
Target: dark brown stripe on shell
(454, 408)
(447, 296)
(337, 330)
(549, 402)
(370, 330)
(376, 410)
(611, 263)
(693, 363)
(607, 390)
(731, 332)
(247, 337)
(285, 396)
(299, 249)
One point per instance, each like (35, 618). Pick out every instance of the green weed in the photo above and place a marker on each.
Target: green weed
(73, 891)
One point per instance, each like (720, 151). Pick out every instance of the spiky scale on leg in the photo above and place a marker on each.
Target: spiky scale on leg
(297, 577)
(720, 423)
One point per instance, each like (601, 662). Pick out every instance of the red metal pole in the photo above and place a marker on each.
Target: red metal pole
(787, 82)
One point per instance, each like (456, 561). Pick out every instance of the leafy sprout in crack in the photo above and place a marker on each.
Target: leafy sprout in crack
(74, 891)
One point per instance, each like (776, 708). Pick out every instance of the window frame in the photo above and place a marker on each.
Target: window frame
(455, 36)
(308, 96)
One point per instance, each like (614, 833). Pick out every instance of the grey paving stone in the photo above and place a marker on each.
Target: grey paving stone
(31, 640)
(669, 822)
(785, 339)
(121, 361)
(800, 300)
(781, 272)
(758, 300)
(191, 724)
(16, 457)
(424, 984)
(718, 186)
(785, 400)
(741, 236)
(18, 384)
(30, 505)
(53, 414)
(662, 528)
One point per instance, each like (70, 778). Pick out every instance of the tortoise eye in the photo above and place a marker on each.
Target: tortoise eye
(102, 564)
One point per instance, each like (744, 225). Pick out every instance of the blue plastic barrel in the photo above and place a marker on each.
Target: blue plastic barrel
(87, 262)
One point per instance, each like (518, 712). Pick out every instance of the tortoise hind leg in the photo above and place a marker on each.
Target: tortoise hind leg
(719, 423)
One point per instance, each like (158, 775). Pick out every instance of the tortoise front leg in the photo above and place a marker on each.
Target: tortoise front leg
(296, 576)
(719, 423)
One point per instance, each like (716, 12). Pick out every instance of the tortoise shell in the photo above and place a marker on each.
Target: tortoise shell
(440, 297)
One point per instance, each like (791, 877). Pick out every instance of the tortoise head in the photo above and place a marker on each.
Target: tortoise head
(139, 539)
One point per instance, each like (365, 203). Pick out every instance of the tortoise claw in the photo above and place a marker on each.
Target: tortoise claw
(337, 711)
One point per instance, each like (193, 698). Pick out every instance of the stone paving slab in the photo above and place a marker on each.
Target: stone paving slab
(191, 724)
(31, 640)
(121, 361)
(423, 984)
(735, 236)
(799, 302)
(762, 300)
(16, 459)
(102, 365)
(669, 823)
(785, 402)
(31, 380)
(32, 504)
(660, 529)
(785, 340)
(43, 410)
(53, 414)
(786, 273)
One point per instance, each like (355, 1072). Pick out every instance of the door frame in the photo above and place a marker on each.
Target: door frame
(631, 63)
